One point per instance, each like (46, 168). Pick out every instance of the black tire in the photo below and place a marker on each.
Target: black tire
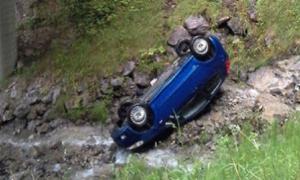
(207, 53)
(183, 48)
(144, 126)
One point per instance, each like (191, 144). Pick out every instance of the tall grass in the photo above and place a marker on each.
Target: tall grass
(274, 155)
(133, 28)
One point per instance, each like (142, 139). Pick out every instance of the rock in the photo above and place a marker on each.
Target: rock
(15, 92)
(32, 97)
(266, 79)
(197, 25)
(52, 96)
(141, 79)
(116, 82)
(230, 4)
(32, 114)
(7, 116)
(297, 98)
(178, 35)
(40, 109)
(56, 94)
(221, 22)
(236, 27)
(81, 88)
(269, 38)
(272, 107)
(104, 86)
(50, 115)
(243, 75)
(22, 110)
(128, 68)
(252, 11)
(44, 128)
(34, 42)
(129, 87)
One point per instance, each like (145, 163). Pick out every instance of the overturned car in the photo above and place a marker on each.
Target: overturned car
(178, 96)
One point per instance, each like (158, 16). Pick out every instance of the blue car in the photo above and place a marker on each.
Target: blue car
(182, 92)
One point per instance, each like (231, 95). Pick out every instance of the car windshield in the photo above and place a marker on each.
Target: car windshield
(163, 78)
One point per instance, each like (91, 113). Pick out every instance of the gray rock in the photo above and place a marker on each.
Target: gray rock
(297, 98)
(269, 38)
(116, 82)
(44, 128)
(129, 87)
(252, 11)
(56, 94)
(272, 106)
(104, 86)
(197, 25)
(50, 115)
(221, 22)
(52, 96)
(22, 110)
(243, 75)
(32, 114)
(230, 4)
(7, 116)
(141, 79)
(128, 68)
(178, 35)
(40, 109)
(32, 97)
(236, 27)
(81, 88)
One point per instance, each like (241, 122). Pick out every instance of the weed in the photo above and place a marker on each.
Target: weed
(99, 112)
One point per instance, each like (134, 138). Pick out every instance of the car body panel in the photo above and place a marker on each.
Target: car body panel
(179, 85)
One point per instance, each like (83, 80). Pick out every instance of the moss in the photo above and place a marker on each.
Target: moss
(99, 112)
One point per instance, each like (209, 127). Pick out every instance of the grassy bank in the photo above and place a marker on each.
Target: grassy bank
(139, 26)
(274, 155)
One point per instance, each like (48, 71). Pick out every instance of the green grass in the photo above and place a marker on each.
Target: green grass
(274, 155)
(99, 112)
(133, 29)
(281, 17)
(141, 26)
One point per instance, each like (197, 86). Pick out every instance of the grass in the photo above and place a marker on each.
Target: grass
(141, 26)
(132, 30)
(274, 155)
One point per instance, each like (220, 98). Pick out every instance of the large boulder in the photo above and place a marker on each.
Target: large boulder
(197, 25)
(273, 107)
(178, 35)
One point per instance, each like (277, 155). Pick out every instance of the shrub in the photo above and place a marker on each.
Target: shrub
(89, 15)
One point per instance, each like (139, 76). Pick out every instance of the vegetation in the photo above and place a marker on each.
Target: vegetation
(274, 155)
(115, 31)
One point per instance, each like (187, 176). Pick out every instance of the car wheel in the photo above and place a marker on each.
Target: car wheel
(183, 48)
(139, 117)
(201, 47)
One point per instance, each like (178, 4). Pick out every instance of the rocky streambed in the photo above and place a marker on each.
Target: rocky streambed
(35, 145)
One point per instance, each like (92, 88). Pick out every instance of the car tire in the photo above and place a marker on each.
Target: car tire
(201, 47)
(144, 126)
(183, 48)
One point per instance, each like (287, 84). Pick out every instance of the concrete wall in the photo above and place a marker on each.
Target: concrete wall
(8, 45)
